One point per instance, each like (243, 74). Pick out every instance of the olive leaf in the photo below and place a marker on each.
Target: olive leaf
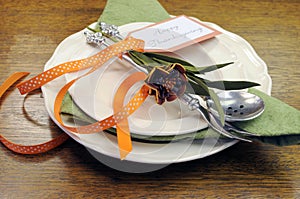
(164, 59)
(142, 59)
(218, 106)
(223, 84)
(198, 82)
(230, 85)
(201, 84)
(206, 69)
(196, 89)
(135, 58)
(93, 30)
(168, 59)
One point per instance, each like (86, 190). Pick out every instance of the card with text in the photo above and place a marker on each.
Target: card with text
(173, 34)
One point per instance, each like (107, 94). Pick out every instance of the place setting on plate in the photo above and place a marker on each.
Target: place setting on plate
(153, 135)
(164, 90)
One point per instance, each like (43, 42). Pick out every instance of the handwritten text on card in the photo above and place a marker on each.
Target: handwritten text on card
(173, 34)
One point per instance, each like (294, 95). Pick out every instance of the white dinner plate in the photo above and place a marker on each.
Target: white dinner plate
(223, 48)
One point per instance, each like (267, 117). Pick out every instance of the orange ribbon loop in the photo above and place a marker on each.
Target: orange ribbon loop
(33, 149)
(122, 126)
(119, 119)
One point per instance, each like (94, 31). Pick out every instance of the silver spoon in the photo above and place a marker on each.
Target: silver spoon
(238, 105)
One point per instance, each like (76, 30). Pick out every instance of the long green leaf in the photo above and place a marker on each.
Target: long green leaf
(196, 89)
(135, 59)
(218, 106)
(199, 82)
(167, 58)
(161, 61)
(188, 66)
(230, 85)
(206, 69)
(223, 84)
(145, 60)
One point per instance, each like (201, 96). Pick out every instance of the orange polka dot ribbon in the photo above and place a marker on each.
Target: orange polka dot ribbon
(94, 61)
(33, 149)
(121, 112)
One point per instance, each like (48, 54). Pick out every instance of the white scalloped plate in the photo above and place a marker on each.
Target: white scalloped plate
(224, 48)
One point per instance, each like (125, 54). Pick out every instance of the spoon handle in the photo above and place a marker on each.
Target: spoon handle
(209, 118)
(229, 127)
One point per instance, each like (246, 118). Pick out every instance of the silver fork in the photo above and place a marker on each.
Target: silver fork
(193, 103)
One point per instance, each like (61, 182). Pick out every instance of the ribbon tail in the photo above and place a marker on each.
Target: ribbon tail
(123, 131)
(124, 139)
(11, 80)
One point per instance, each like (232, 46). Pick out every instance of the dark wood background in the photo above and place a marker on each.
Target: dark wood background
(30, 32)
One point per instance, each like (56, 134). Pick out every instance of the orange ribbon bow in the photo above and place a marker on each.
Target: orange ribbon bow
(119, 119)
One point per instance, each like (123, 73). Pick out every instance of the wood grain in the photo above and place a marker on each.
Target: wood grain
(30, 32)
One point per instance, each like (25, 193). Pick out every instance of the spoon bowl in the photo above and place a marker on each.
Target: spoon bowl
(238, 106)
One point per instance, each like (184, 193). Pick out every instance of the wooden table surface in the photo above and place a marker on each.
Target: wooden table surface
(30, 32)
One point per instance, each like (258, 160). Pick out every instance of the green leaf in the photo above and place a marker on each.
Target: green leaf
(161, 61)
(168, 59)
(188, 66)
(143, 59)
(134, 58)
(230, 85)
(218, 106)
(196, 89)
(196, 81)
(93, 30)
(206, 69)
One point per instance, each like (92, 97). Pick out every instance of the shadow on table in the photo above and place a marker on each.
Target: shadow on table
(243, 158)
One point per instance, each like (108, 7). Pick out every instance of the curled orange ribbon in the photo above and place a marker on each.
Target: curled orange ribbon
(119, 119)
(32, 149)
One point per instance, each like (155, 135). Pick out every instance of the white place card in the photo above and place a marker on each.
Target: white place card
(173, 34)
